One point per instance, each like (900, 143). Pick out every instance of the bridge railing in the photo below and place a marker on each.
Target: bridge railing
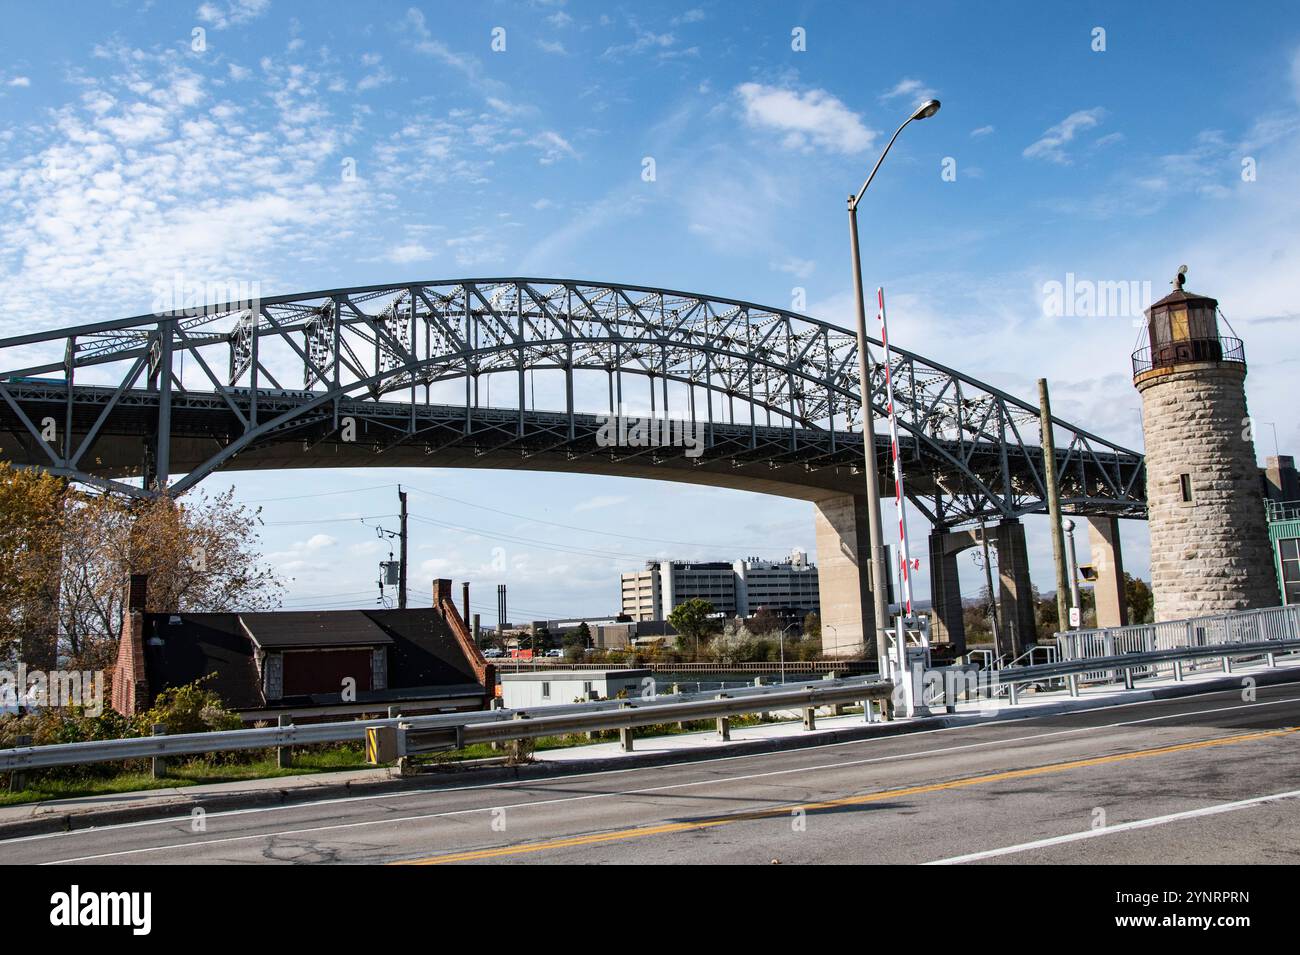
(1240, 627)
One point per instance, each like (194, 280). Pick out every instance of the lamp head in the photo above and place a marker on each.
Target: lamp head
(926, 109)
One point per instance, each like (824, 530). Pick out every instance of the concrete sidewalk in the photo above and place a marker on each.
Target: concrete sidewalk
(87, 811)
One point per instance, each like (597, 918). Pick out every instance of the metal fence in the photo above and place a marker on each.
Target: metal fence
(1240, 627)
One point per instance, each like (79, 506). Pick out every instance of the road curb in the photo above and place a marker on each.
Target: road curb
(453, 775)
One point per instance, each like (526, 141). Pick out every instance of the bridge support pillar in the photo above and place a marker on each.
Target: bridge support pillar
(946, 623)
(1107, 560)
(1015, 592)
(844, 590)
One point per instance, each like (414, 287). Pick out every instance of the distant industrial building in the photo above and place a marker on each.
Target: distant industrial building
(554, 687)
(738, 589)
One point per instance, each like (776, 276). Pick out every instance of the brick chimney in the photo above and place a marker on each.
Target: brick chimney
(130, 685)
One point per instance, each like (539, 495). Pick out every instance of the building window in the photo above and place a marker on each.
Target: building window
(546, 690)
(1185, 487)
(1289, 552)
(586, 688)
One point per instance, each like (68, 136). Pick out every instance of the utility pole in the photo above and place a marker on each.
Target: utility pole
(401, 567)
(1053, 505)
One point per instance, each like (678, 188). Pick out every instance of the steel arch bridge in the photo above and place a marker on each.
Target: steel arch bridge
(396, 375)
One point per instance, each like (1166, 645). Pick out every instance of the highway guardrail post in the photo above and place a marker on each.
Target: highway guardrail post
(18, 778)
(809, 717)
(284, 754)
(724, 723)
(625, 732)
(1272, 659)
(159, 764)
(1227, 664)
(1073, 681)
(1178, 671)
(837, 709)
(1128, 678)
(1013, 693)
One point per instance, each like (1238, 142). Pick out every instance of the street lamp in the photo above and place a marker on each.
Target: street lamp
(878, 559)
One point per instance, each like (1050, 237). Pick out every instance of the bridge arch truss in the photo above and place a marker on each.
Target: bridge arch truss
(406, 365)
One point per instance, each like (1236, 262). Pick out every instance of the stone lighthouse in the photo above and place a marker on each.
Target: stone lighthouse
(1210, 550)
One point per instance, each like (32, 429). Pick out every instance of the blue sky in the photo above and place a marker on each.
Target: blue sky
(128, 156)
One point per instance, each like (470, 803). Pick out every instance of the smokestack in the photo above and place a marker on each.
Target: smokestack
(464, 599)
(137, 592)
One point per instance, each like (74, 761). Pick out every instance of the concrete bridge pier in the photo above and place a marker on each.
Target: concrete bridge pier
(844, 588)
(946, 622)
(1015, 592)
(1108, 561)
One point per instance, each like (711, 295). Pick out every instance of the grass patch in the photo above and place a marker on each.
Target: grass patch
(191, 773)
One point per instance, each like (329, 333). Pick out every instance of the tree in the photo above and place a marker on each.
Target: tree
(31, 532)
(584, 633)
(201, 555)
(65, 556)
(812, 627)
(691, 619)
(1140, 600)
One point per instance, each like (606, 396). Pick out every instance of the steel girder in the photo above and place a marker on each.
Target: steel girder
(764, 384)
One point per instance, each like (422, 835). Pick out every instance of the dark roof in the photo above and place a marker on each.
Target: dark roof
(200, 645)
(1178, 295)
(300, 629)
(424, 659)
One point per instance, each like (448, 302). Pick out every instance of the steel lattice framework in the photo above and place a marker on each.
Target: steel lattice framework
(282, 380)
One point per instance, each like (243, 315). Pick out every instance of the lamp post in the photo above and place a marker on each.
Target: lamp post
(878, 560)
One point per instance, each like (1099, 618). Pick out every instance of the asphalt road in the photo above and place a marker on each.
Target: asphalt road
(1203, 779)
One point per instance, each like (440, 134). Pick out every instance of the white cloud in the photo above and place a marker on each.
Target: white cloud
(231, 13)
(138, 179)
(599, 502)
(552, 46)
(807, 120)
(553, 147)
(914, 92)
(1049, 145)
(409, 252)
(19, 81)
(981, 131)
(793, 265)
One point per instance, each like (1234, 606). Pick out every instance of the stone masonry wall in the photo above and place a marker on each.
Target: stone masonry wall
(1213, 554)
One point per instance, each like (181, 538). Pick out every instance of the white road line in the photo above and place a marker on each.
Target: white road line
(1122, 827)
(229, 813)
(609, 795)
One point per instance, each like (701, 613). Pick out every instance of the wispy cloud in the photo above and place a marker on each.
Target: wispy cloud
(809, 120)
(1051, 145)
(912, 91)
(231, 13)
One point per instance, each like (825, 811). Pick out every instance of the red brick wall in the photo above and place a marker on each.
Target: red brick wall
(446, 606)
(130, 687)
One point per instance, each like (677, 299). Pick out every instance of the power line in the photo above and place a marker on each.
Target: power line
(585, 530)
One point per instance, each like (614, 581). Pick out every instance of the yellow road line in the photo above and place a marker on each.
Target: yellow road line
(707, 823)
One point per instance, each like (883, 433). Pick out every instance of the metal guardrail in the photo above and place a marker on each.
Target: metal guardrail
(1242, 626)
(756, 699)
(1076, 671)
